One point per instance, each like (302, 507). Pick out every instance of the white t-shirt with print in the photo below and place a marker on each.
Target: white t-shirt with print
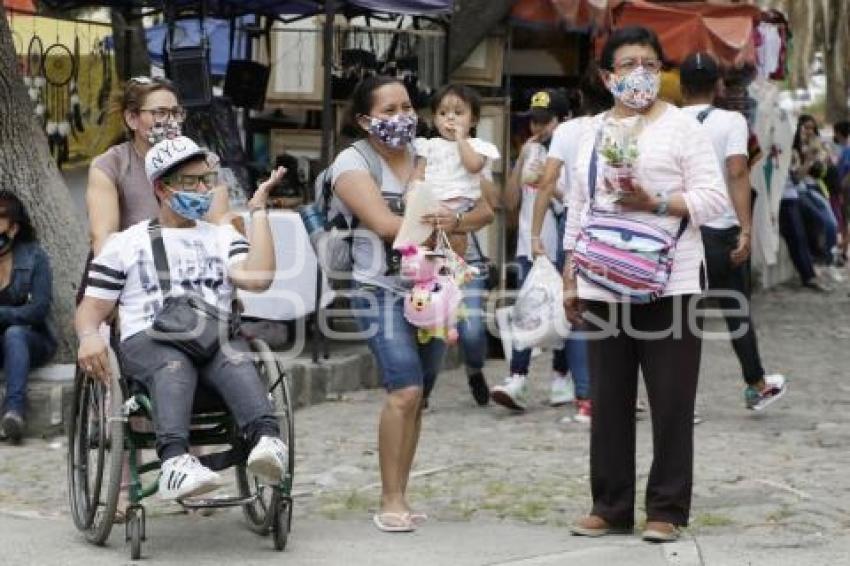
(533, 166)
(444, 169)
(198, 257)
(729, 134)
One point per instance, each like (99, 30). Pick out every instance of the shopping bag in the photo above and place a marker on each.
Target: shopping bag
(538, 317)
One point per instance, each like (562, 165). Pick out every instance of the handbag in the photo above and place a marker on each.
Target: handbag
(186, 322)
(626, 257)
(492, 270)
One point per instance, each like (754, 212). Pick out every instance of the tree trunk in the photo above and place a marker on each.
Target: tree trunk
(836, 18)
(131, 49)
(801, 18)
(27, 169)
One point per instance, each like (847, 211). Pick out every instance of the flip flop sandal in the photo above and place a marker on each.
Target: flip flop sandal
(418, 519)
(403, 520)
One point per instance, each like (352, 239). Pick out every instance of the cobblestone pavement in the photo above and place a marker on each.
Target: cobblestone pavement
(775, 480)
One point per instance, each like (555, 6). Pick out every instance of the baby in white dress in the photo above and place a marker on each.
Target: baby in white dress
(451, 164)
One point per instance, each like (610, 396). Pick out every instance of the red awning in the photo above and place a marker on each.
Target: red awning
(724, 30)
(27, 6)
(573, 13)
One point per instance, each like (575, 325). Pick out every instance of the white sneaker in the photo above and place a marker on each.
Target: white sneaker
(512, 394)
(268, 459)
(184, 476)
(835, 274)
(563, 390)
(776, 388)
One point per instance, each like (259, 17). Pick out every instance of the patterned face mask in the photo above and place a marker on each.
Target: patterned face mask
(395, 132)
(638, 89)
(163, 130)
(192, 206)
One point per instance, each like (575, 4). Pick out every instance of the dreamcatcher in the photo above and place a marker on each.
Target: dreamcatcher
(34, 78)
(60, 68)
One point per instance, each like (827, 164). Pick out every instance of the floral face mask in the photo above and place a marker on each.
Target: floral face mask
(637, 89)
(395, 132)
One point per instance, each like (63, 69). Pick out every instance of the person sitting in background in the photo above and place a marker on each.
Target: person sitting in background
(841, 137)
(26, 284)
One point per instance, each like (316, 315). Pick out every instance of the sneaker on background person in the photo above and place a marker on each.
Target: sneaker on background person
(513, 393)
(478, 388)
(562, 390)
(775, 386)
(583, 411)
(12, 427)
(184, 476)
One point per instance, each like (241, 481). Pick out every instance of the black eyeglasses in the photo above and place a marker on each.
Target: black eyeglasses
(191, 182)
(162, 113)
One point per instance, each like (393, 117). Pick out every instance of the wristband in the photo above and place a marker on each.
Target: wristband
(661, 209)
(254, 209)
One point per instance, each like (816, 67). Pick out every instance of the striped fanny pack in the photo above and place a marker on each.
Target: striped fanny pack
(627, 257)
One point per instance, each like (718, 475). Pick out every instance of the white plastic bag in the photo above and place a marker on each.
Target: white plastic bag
(538, 317)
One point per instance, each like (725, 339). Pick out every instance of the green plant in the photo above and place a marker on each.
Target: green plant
(619, 152)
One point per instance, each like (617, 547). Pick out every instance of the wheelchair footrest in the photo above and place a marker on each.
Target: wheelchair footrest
(217, 502)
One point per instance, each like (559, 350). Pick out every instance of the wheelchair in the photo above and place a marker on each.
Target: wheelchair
(108, 422)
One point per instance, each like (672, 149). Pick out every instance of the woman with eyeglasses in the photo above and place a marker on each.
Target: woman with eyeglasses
(643, 168)
(118, 193)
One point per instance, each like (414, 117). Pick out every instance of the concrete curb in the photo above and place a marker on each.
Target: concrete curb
(51, 388)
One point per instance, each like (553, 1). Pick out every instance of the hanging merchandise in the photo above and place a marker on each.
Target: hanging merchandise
(355, 62)
(76, 112)
(34, 78)
(246, 81)
(104, 53)
(59, 70)
(401, 61)
(777, 54)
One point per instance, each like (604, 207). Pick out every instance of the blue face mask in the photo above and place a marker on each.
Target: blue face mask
(192, 206)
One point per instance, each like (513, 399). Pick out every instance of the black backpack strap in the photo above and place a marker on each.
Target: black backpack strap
(160, 258)
(704, 114)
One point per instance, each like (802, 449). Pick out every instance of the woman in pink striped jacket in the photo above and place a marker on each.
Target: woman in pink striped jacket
(675, 184)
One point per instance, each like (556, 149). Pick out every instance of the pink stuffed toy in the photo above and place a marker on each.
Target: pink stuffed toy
(433, 303)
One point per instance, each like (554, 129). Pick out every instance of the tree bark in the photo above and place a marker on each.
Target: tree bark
(801, 18)
(131, 57)
(836, 20)
(27, 169)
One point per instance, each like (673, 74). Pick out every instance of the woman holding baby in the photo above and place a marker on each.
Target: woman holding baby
(381, 109)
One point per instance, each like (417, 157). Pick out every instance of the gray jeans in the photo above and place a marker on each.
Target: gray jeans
(171, 379)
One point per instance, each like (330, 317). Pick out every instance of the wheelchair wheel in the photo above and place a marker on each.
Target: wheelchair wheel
(261, 513)
(95, 453)
(135, 522)
(281, 523)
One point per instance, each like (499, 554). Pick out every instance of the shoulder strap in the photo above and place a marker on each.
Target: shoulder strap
(160, 258)
(478, 246)
(704, 114)
(373, 161)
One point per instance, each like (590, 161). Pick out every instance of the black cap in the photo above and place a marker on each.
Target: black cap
(548, 104)
(699, 73)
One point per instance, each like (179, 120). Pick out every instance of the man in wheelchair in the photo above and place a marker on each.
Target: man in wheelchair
(204, 260)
